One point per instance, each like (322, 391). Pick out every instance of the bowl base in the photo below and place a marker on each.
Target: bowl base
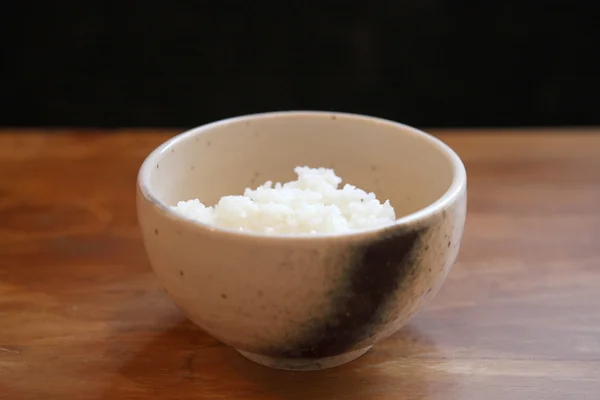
(304, 364)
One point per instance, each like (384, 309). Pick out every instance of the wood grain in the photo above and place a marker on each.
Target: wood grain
(82, 316)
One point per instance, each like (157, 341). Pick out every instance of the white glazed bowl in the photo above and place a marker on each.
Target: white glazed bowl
(305, 301)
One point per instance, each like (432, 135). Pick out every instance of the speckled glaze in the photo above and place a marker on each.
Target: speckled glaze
(303, 302)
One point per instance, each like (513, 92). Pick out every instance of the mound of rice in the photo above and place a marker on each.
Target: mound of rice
(311, 204)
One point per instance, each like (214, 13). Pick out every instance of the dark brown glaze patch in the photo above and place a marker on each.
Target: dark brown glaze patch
(376, 273)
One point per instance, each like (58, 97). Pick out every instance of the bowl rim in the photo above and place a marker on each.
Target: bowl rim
(414, 219)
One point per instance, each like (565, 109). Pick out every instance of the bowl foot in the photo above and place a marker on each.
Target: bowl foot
(304, 364)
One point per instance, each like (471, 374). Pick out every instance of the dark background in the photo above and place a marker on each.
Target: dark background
(423, 62)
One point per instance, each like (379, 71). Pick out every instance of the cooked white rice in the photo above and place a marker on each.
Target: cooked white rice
(311, 204)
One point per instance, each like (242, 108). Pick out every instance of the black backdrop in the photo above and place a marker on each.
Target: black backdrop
(422, 62)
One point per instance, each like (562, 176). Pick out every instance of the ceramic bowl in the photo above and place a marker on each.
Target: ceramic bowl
(303, 301)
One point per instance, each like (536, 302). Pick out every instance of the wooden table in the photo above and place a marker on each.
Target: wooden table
(82, 316)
